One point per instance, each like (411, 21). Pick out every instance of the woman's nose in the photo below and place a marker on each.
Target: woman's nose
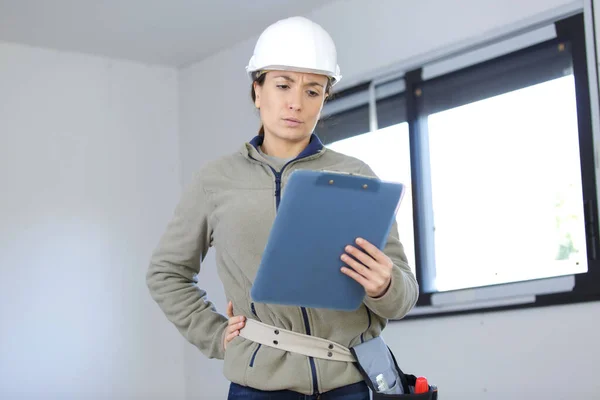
(295, 100)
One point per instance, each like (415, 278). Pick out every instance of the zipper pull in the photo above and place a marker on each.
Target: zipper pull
(277, 184)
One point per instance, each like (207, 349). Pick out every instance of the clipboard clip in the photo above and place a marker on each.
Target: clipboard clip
(348, 180)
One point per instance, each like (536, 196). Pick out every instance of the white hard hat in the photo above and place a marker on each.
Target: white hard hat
(295, 44)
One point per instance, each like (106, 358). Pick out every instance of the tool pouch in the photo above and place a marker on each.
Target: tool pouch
(379, 368)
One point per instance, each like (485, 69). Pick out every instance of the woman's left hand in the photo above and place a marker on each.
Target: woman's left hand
(373, 270)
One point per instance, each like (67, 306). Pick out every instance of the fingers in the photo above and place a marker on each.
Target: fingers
(234, 326)
(372, 270)
(359, 267)
(363, 259)
(373, 251)
(373, 287)
(234, 329)
(231, 336)
(234, 321)
(357, 277)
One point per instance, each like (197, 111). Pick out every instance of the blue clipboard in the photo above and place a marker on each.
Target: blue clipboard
(319, 214)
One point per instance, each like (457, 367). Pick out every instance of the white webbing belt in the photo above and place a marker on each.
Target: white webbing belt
(294, 342)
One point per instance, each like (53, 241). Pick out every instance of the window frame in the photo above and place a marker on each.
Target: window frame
(559, 290)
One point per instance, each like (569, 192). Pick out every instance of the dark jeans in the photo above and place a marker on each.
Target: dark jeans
(357, 391)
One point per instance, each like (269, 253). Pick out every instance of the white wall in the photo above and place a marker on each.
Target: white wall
(89, 173)
(503, 355)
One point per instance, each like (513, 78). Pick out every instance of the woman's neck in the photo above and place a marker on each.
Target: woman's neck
(282, 148)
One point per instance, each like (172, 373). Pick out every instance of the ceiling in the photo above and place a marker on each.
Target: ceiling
(167, 32)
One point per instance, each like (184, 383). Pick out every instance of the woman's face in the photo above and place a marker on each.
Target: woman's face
(290, 103)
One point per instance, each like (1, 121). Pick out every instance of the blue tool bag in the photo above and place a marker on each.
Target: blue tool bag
(379, 368)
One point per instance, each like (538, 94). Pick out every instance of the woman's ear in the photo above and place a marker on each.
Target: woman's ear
(257, 93)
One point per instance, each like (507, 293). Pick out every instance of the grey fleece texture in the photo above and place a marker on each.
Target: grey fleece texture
(230, 206)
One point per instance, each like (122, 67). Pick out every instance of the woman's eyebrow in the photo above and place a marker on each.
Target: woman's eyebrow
(290, 79)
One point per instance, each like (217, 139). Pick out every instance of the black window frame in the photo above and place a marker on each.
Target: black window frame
(414, 109)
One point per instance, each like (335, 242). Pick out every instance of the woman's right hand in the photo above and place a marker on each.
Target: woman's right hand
(234, 326)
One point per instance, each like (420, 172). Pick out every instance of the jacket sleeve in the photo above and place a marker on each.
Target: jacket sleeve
(403, 292)
(173, 270)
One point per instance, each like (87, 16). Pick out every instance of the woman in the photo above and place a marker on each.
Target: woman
(231, 205)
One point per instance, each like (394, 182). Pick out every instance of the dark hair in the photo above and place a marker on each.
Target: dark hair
(261, 81)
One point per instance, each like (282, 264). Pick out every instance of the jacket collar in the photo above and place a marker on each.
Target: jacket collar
(315, 146)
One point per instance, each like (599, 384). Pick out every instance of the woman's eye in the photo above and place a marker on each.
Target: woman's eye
(283, 86)
(312, 93)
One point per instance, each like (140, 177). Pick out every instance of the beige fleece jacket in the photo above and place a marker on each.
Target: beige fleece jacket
(230, 206)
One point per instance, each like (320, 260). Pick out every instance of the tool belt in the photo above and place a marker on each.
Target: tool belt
(373, 358)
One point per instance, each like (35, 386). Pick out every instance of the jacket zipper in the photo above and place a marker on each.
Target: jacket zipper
(277, 188)
(257, 347)
(311, 360)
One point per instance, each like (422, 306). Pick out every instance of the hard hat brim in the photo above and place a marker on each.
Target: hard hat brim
(253, 72)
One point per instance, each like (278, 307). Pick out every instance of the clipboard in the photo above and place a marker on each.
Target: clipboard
(321, 212)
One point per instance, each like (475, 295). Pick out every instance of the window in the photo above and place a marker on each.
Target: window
(506, 188)
(387, 153)
(496, 148)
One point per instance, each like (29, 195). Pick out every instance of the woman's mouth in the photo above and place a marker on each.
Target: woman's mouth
(292, 122)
